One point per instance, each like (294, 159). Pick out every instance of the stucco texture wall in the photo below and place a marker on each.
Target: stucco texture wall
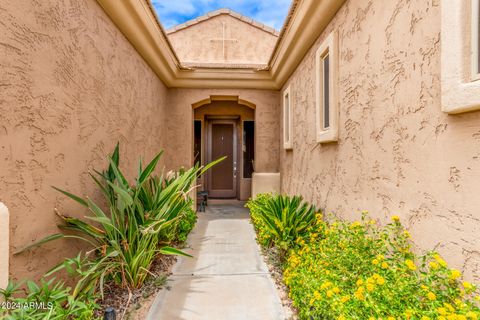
(71, 86)
(397, 152)
(266, 128)
(202, 42)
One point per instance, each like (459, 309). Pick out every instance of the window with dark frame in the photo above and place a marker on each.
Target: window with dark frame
(326, 104)
(326, 91)
(287, 118)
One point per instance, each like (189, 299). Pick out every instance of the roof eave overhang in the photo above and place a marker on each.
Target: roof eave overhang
(308, 21)
(138, 23)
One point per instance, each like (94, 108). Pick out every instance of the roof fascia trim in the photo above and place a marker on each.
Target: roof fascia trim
(138, 22)
(308, 21)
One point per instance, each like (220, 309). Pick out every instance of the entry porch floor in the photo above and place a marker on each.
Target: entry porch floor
(226, 278)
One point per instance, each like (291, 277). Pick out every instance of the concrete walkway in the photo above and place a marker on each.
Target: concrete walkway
(226, 279)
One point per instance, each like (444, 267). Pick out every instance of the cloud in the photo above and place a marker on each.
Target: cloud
(272, 13)
(269, 12)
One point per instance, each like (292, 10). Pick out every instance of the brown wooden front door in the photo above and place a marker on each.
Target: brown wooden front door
(222, 141)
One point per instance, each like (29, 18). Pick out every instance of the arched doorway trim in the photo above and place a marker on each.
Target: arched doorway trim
(223, 98)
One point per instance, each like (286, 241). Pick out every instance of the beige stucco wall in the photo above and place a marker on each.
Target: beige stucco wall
(266, 125)
(252, 45)
(71, 86)
(398, 153)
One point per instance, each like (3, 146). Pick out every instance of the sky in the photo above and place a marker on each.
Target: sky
(270, 12)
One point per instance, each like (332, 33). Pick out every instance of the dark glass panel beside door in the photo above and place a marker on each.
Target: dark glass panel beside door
(197, 149)
(248, 148)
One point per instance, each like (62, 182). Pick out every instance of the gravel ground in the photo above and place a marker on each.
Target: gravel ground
(272, 260)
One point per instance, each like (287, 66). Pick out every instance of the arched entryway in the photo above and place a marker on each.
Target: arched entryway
(225, 126)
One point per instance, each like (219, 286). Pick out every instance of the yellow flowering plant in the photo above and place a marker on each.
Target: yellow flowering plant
(376, 275)
(359, 270)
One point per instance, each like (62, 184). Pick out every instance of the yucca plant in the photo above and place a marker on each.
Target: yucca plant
(127, 237)
(282, 219)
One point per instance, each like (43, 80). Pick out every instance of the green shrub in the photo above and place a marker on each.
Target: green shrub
(185, 225)
(362, 271)
(46, 300)
(281, 219)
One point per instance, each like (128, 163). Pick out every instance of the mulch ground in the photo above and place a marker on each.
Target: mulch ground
(124, 301)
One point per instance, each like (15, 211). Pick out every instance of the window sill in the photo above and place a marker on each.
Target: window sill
(460, 91)
(288, 146)
(327, 136)
(458, 98)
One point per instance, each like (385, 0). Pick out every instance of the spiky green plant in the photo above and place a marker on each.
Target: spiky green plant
(126, 238)
(282, 218)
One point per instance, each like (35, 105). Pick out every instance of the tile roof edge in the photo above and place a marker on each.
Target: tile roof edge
(218, 12)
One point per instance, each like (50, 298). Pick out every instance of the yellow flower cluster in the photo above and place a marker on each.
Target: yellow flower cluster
(356, 224)
(395, 218)
(445, 315)
(448, 312)
(294, 260)
(455, 274)
(326, 285)
(410, 265)
(468, 286)
(439, 260)
(316, 296)
(359, 294)
(431, 296)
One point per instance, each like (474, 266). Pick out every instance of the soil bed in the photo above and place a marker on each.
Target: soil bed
(135, 305)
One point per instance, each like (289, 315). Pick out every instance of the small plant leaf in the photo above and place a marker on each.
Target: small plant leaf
(149, 168)
(173, 251)
(72, 196)
(40, 242)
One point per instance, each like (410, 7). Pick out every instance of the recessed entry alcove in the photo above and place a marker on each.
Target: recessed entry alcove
(225, 126)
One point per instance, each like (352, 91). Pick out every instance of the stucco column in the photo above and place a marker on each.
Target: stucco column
(265, 182)
(4, 238)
